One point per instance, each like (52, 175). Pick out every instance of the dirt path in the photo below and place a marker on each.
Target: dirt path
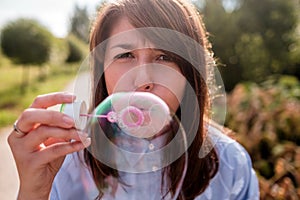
(9, 181)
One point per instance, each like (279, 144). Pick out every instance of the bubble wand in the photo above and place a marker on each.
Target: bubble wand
(130, 116)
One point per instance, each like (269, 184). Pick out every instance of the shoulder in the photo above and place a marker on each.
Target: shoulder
(232, 156)
(235, 178)
(229, 150)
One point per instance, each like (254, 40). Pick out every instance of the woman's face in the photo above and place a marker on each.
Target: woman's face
(133, 64)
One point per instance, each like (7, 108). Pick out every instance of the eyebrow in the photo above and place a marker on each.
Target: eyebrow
(123, 46)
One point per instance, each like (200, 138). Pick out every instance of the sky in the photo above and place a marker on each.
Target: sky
(53, 14)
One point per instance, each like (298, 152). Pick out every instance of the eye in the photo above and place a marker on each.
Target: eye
(165, 57)
(124, 55)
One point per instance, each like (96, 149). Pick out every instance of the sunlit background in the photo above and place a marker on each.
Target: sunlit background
(54, 14)
(257, 49)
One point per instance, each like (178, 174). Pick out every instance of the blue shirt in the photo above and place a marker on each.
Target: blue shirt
(235, 179)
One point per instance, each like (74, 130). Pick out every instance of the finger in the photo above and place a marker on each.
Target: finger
(51, 141)
(56, 151)
(31, 117)
(51, 99)
(16, 129)
(50, 135)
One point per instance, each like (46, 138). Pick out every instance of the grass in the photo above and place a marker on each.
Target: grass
(12, 102)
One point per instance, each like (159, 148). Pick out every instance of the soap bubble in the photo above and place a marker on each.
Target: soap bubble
(131, 152)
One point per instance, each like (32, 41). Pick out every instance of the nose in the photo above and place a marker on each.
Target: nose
(146, 87)
(143, 81)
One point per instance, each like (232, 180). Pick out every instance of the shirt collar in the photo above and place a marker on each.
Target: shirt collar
(139, 147)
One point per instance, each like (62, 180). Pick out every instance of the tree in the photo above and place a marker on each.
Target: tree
(223, 34)
(274, 21)
(76, 52)
(26, 42)
(80, 23)
(253, 40)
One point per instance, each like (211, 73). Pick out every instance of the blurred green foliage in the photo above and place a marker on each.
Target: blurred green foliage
(254, 39)
(266, 118)
(30, 51)
(75, 50)
(80, 23)
(25, 41)
(12, 102)
(59, 51)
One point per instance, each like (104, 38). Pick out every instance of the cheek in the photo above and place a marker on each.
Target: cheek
(174, 97)
(111, 79)
(174, 104)
(167, 96)
(118, 79)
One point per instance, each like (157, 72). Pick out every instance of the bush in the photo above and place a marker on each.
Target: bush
(266, 118)
(76, 49)
(59, 51)
(25, 41)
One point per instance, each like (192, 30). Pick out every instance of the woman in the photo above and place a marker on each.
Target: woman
(131, 62)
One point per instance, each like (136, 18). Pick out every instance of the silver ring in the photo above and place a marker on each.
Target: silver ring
(17, 130)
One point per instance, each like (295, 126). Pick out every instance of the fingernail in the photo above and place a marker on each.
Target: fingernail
(68, 120)
(86, 142)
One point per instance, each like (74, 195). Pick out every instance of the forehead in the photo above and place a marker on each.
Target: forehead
(123, 32)
(121, 25)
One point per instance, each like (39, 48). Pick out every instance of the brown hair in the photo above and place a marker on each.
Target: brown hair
(182, 17)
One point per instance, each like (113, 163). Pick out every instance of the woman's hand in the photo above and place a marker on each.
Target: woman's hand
(40, 152)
